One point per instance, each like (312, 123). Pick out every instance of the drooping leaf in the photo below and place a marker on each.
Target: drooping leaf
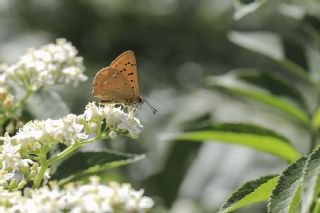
(286, 196)
(263, 97)
(272, 82)
(252, 192)
(270, 45)
(311, 180)
(242, 9)
(265, 43)
(292, 11)
(248, 135)
(84, 164)
(47, 104)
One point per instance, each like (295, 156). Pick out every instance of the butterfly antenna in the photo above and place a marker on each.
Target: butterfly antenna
(154, 110)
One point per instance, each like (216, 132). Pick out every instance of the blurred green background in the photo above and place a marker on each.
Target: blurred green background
(177, 44)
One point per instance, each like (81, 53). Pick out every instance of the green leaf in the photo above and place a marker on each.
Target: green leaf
(247, 135)
(84, 164)
(272, 82)
(286, 196)
(316, 119)
(263, 97)
(252, 192)
(313, 57)
(274, 101)
(311, 180)
(265, 43)
(270, 45)
(47, 104)
(243, 9)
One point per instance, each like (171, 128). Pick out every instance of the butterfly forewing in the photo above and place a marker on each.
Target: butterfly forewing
(126, 64)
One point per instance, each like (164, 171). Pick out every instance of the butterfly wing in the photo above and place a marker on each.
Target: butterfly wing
(126, 63)
(110, 85)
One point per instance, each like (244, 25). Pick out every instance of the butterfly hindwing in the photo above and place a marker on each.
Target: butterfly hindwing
(110, 85)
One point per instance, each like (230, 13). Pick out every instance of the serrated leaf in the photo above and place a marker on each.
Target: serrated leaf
(285, 197)
(270, 45)
(264, 97)
(311, 180)
(84, 164)
(242, 9)
(248, 135)
(252, 192)
(47, 104)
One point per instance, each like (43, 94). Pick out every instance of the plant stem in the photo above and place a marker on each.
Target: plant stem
(43, 169)
(70, 150)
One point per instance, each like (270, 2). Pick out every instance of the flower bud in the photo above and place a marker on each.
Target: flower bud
(35, 166)
(32, 175)
(22, 184)
(13, 184)
(113, 135)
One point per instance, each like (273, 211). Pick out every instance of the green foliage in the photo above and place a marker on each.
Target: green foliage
(311, 186)
(289, 86)
(286, 196)
(84, 164)
(252, 192)
(243, 8)
(247, 135)
(271, 46)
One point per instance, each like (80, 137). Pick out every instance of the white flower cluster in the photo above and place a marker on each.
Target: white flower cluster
(71, 129)
(44, 135)
(93, 197)
(116, 120)
(14, 170)
(36, 135)
(49, 65)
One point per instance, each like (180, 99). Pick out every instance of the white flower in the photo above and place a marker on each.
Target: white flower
(131, 124)
(49, 65)
(93, 197)
(10, 156)
(93, 113)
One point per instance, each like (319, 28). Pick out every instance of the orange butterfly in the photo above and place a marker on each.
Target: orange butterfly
(119, 83)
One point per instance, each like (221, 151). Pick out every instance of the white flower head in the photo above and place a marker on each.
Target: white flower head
(75, 197)
(49, 65)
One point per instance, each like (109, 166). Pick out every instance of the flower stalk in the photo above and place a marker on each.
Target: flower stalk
(44, 166)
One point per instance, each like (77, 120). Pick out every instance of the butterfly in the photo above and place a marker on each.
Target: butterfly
(119, 83)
